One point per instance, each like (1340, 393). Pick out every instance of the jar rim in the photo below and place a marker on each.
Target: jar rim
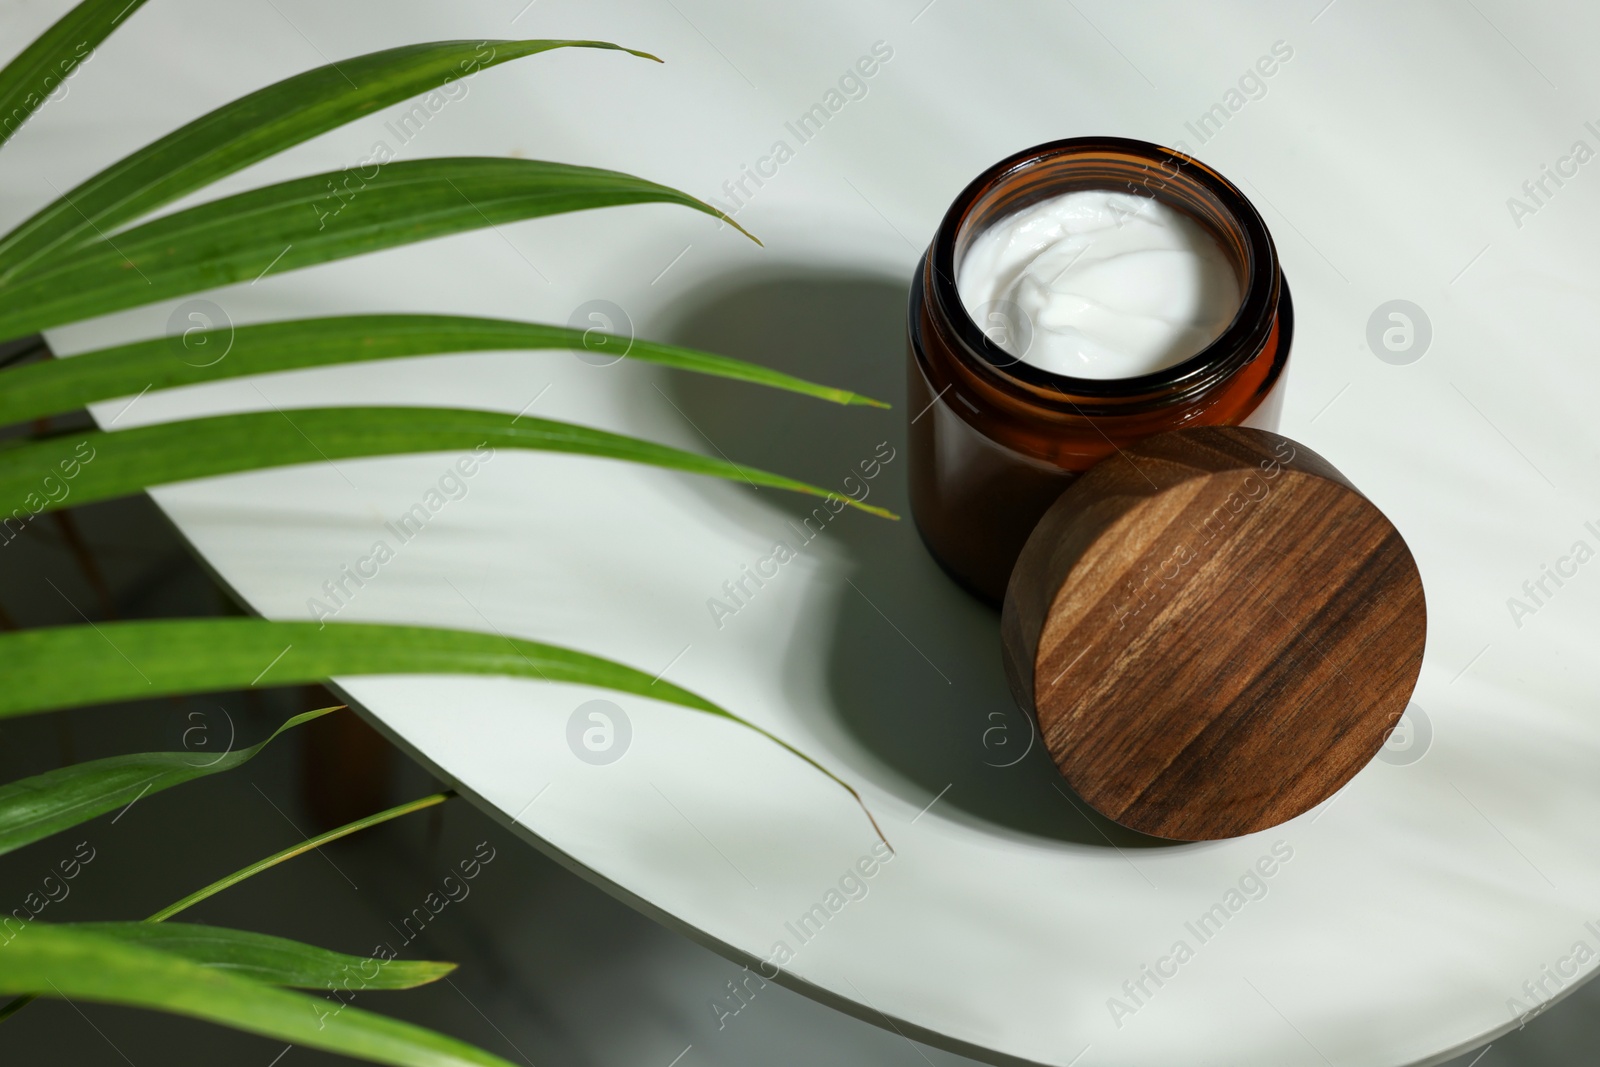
(1261, 283)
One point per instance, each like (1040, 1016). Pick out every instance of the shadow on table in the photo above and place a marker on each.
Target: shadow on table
(914, 669)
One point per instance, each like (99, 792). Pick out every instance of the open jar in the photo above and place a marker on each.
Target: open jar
(994, 440)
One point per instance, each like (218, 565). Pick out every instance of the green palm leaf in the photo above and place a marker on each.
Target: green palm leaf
(69, 666)
(303, 222)
(83, 256)
(251, 129)
(107, 465)
(63, 385)
(271, 960)
(29, 79)
(281, 856)
(34, 808)
(75, 964)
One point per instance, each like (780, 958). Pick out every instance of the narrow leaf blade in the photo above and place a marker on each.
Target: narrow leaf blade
(29, 79)
(57, 386)
(307, 221)
(59, 961)
(272, 960)
(100, 465)
(254, 127)
(71, 666)
(34, 808)
(299, 849)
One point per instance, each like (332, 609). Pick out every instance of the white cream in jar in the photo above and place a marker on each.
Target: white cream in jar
(1099, 283)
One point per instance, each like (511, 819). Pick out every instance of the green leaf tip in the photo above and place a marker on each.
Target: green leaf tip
(578, 43)
(873, 509)
(731, 221)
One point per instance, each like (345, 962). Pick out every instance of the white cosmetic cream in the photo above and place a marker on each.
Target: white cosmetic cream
(1108, 285)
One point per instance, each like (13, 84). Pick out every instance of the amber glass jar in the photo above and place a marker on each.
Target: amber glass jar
(994, 440)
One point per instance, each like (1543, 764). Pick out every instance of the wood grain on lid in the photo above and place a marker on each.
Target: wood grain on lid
(1215, 631)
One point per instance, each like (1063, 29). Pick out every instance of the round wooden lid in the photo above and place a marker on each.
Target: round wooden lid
(1215, 631)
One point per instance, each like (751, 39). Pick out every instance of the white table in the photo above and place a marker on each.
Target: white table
(1382, 154)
